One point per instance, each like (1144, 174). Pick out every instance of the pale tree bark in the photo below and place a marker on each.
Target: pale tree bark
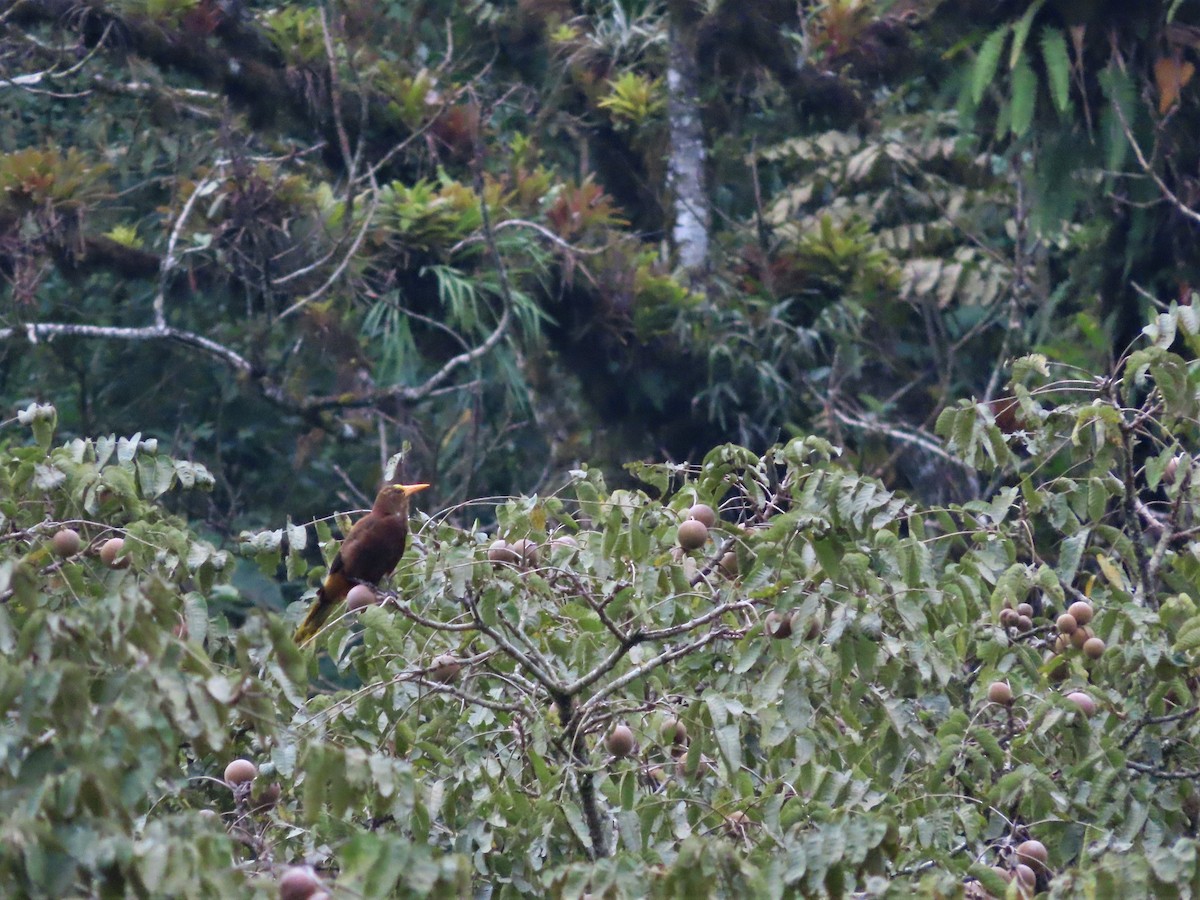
(685, 164)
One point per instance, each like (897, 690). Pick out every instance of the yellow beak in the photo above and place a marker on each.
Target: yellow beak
(409, 489)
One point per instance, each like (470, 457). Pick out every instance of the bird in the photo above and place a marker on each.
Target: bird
(369, 553)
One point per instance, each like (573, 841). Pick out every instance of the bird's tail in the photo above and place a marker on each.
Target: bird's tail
(331, 593)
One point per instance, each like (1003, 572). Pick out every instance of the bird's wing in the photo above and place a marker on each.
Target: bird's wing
(373, 547)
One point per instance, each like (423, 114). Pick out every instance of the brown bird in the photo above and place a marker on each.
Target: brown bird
(370, 552)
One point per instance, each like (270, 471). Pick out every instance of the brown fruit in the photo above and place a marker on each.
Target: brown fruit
(1025, 609)
(66, 542)
(815, 624)
(1008, 617)
(527, 553)
(737, 823)
(1093, 648)
(692, 534)
(1081, 636)
(729, 565)
(619, 741)
(1000, 692)
(702, 512)
(445, 668)
(1082, 611)
(1086, 704)
(778, 625)
(298, 883)
(1024, 623)
(675, 731)
(1033, 854)
(1062, 643)
(360, 595)
(1172, 469)
(240, 771)
(1026, 877)
(269, 797)
(1066, 624)
(563, 541)
(110, 553)
(1057, 669)
(501, 552)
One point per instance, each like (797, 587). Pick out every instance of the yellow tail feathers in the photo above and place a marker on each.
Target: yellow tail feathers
(332, 592)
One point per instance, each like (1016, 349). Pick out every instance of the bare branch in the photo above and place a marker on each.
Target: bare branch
(544, 678)
(1144, 163)
(917, 439)
(169, 260)
(37, 331)
(665, 657)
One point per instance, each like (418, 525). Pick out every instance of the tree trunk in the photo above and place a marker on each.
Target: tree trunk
(685, 166)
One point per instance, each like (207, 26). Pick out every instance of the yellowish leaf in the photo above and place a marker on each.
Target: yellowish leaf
(1171, 75)
(1112, 572)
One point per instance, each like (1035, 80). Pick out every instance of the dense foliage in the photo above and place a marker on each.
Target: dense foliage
(833, 689)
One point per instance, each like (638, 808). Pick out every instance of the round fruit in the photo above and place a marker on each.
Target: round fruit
(674, 731)
(1025, 609)
(1066, 624)
(702, 512)
(240, 771)
(1024, 623)
(1003, 872)
(209, 815)
(1033, 854)
(501, 552)
(298, 883)
(1062, 643)
(527, 553)
(269, 797)
(445, 668)
(66, 542)
(1008, 617)
(110, 553)
(736, 823)
(692, 534)
(1093, 648)
(1086, 704)
(815, 624)
(360, 595)
(619, 741)
(1081, 636)
(563, 540)
(1172, 469)
(1000, 692)
(1082, 611)
(778, 625)
(729, 565)
(1025, 875)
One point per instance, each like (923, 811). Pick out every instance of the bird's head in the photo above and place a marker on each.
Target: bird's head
(393, 498)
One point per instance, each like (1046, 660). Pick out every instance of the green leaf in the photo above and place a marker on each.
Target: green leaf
(1021, 32)
(829, 552)
(1058, 66)
(983, 73)
(1024, 97)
